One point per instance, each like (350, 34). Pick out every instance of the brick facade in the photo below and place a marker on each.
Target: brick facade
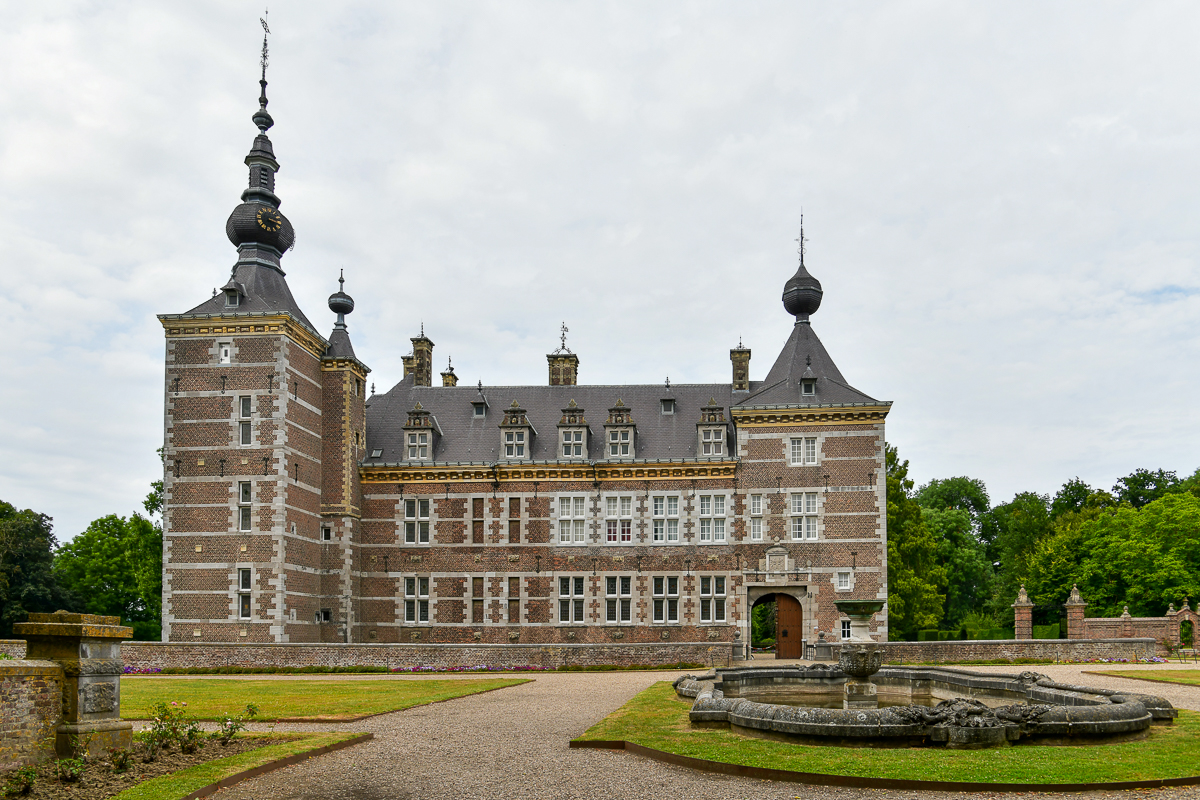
(30, 709)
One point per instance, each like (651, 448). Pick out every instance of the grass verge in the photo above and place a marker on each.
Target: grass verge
(658, 718)
(212, 698)
(182, 783)
(1186, 677)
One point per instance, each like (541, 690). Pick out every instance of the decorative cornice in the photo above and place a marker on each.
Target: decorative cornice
(340, 364)
(576, 472)
(255, 324)
(765, 417)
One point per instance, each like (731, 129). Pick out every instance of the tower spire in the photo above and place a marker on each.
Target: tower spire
(802, 293)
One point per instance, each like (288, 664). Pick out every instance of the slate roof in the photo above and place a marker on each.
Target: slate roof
(339, 345)
(264, 291)
(467, 438)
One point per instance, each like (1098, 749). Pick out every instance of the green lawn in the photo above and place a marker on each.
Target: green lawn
(1188, 677)
(182, 783)
(657, 718)
(210, 698)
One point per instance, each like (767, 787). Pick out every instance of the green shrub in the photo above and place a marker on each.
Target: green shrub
(1045, 631)
(927, 636)
(945, 636)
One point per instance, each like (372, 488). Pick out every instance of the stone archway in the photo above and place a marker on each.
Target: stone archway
(789, 623)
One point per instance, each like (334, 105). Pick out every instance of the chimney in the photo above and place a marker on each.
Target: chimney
(420, 363)
(448, 376)
(740, 356)
(564, 365)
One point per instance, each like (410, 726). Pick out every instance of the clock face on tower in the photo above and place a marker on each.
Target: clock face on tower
(269, 219)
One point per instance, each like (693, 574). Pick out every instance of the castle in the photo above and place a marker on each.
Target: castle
(301, 506)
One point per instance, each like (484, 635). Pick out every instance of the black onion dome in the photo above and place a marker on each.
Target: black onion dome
(802, 294)
(259, 223)
(341, 303)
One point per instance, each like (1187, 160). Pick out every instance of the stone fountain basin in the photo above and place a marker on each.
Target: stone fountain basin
(973, 709)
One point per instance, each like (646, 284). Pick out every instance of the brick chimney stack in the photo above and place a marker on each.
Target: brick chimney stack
(420, 363)
(564, 365)
(740, 356)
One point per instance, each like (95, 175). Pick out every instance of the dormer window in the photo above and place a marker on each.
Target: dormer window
(808, 387)
(620, 432)
(480, 408)
(517, 434)
(573, 432)
(376, 453)
(418, 446)
(712, 441)
(620, 443)
(231, 298)
(667, 406)
(419, 433)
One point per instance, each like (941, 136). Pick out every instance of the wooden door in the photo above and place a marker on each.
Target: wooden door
(788, 627)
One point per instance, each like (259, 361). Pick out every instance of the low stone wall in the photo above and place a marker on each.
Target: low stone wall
(1013, 649)
(30, 709)
(13, 647)
(143, 655)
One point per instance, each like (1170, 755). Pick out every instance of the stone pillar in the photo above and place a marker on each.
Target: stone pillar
(1076, 627)
(88, 647)
(1126, 624)
(1023, 613)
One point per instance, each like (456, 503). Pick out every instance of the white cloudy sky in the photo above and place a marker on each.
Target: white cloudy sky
(1001, 200)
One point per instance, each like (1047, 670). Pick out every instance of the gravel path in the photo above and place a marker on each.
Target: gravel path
(512, 743)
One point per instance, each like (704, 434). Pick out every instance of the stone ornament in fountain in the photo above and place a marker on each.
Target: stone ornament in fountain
(860, 656)
(88, 647)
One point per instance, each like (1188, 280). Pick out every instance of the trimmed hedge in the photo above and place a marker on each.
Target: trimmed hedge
(320, 670)
(1046, 631)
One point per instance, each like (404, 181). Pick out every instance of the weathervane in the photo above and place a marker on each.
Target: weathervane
(801, 240)
(266, 30)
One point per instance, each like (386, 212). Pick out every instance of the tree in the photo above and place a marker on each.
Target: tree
(915, 577)
(27, 581)
(1071, 497)
(1142, 486)
(963, 493)
(969, 575)
(116, 566)
(1017, 527)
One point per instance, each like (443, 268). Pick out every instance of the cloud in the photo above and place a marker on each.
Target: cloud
(999, 199)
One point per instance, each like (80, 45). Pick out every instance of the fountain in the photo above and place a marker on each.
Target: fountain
(860, 656)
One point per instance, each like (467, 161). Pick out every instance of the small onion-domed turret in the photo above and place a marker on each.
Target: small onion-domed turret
(341, 303)
(802, 293)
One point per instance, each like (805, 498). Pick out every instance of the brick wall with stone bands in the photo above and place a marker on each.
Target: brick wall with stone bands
(30, 708)
(180, 654)
(998, 649)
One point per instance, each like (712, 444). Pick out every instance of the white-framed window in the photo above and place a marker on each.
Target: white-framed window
(514, 444)
(416, 599)
(416, 521)
(571, 522)
(224, 352)
(620, 443)
(804, 515)
(843, 582)
(845, 629)
(326, 533)
(756, 523)
(712, 598)
(570, 598)
(244, 513)
(667, 406)
(618, 519)
(665, 518)
(712, 441)
(418, 446)
(618, 598)
(803, 451)
(245, 434)
(245, 586)
(231, 298)
(666, 598)
(712, 518)
(573, 443)
(808, 387)
(244, 406)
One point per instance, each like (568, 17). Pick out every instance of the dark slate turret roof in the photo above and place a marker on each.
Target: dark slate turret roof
(264, 291)
(339, 345)
(467, 438)
(782, 386)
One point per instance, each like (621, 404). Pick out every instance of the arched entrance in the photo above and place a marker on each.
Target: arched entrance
(789, 624)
